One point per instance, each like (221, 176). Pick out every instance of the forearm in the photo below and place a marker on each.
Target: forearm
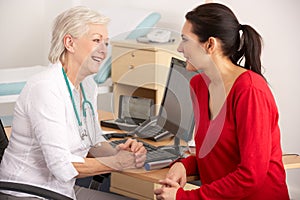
(130, 155)
(91, 167)
(191, 166)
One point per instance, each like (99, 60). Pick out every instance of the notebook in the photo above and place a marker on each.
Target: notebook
(132, 112)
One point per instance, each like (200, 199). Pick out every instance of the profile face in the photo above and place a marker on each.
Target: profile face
(192, 49)
(91, 48)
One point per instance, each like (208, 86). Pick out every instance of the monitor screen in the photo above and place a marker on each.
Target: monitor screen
(176, 112)
(136, 108)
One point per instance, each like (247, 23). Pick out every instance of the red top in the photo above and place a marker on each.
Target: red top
(238, 154)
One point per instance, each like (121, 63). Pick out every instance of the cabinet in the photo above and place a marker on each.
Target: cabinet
(142, 184)
(140, 69)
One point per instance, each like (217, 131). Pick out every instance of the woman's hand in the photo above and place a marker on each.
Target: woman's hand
(175, 178)
(168, 190)
(137, 148)
(177, 173)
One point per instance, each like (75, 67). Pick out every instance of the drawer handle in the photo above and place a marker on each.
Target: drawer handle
(130, 67)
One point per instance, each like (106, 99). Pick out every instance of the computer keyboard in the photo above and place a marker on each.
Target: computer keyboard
(153, 132)
(118, 125)
(153, 153)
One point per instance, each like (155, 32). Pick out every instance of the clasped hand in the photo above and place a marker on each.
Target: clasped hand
(129, 155)
(136, 149)
(175, 178)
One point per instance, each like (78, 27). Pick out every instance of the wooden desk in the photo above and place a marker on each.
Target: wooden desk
(291, 161)
(141, 185)
(138, 185)
(7, 131)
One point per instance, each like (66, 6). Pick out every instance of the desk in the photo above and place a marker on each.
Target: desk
(141, 186)
(291, 161)
(7, 131)
(135, 185)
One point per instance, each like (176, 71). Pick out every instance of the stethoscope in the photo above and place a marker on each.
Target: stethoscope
(85, 106)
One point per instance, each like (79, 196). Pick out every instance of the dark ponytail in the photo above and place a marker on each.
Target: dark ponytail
(217, 20)
(250, 49)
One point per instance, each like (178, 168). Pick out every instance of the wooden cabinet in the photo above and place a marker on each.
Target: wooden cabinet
(142, 184)
(140, 69)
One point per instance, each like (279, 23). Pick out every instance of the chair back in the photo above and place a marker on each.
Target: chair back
(18, 187)
(3, 140)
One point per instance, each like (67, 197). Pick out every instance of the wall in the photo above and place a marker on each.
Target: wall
(25, 34)
(21, 43)
(25, 30)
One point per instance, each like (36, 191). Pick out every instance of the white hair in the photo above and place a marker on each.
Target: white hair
(73, 21)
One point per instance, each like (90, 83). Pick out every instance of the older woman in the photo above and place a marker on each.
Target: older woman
(55, 119)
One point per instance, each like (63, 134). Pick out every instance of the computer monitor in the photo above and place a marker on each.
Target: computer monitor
(135, 109)
(176, 112)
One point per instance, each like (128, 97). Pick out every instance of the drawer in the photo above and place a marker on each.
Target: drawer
(138, 188)
(141, 184)
(134, 67)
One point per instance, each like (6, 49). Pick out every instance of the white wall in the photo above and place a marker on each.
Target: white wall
(25, 30)
(21, 43)
(25, 33)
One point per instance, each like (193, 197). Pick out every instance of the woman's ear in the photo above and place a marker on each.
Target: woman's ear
(69, 43)
(211, 44)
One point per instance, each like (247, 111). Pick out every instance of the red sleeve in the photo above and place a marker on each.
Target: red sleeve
(255, 112)
(190, 164)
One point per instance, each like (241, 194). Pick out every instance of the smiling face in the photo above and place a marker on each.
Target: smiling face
(91, 49)
(196, 56)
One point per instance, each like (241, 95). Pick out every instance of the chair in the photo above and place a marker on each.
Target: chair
(3, 140)
(24, 188)
(30, 189)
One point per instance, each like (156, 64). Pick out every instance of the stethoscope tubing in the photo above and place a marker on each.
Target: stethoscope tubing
(85, 104)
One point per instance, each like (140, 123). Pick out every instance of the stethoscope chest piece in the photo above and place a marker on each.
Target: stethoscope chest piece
(82, 132)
